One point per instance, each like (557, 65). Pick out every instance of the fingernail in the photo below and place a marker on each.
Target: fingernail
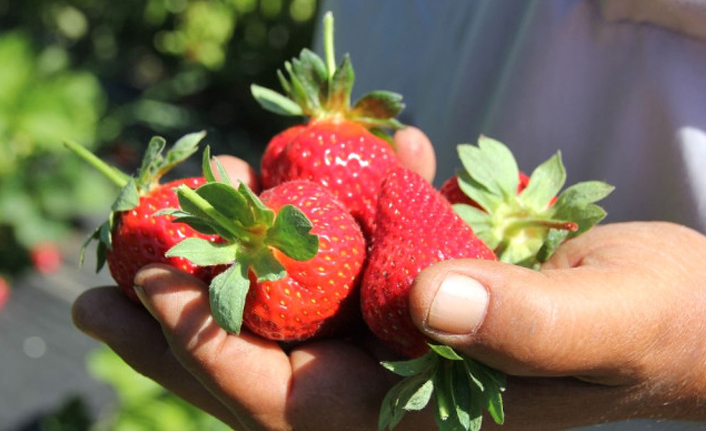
(459, 306)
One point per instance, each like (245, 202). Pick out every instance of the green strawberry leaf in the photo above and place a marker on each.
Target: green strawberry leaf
(290, 234)
(492, 384)
(311, 72)
(208, 172)
(206, 165)
(189, 205)
(419, 398)
(101, 256)
(411, 367)
(412, 393)
(478, 193)
(128, 197)
(554, 239)
(580, 196)
(227, 293)
(266, 267)
(151, 160)
(341, 85)
(302, 74)
(200, 225)
(378, 123)
(182, 149)
(316, 68)
(445, 352)
(307, 101)
(459, 386)
(228, 201)
(275, 102)
(492, 165)
(545, 182)
(260, 211)
(95, 235)
(202, 252)
(446, 413)
(378, 105)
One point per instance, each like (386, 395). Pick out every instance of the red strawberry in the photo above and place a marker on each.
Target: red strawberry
(4, 291)
(294, 257)
(140, 237)
(46, 257)
(415, 228)
(134, 235)
(311, 294)
(339, 147)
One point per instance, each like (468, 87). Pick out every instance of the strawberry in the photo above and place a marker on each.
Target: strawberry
(340, 146)
(415, 228)
(4, 291)
(46, 257)
(294, 256)
(134, 236)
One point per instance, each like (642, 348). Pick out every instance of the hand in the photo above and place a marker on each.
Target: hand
(611, 328)
(247, 382)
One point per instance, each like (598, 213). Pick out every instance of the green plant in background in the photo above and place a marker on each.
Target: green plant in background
(41, 102)
(111, 74)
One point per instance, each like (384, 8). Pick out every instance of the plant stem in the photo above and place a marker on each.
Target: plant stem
(328, 44)
(204, 206)
(120, 179)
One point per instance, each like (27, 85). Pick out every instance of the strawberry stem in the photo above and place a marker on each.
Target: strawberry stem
(523, 223)
(241, 235)
(119, 178)
(328, 45)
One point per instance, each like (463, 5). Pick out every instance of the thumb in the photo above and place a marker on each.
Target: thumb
(564, 322)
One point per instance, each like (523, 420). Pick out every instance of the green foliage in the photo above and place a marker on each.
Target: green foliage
(458, 387)
(523, 228)
(41, 102)
(109, 75)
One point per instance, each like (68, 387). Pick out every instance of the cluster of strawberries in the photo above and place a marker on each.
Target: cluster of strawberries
(342, 228)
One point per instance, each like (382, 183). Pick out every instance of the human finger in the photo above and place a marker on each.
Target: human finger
(248, 374)
(416, 152)
(577, 322)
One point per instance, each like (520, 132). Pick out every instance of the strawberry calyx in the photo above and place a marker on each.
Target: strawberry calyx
(319, 89)
(460, 387)
(154, 165)
(523, 228)
(252, 236)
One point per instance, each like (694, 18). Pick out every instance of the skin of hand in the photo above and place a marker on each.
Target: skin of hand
(610, 328)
